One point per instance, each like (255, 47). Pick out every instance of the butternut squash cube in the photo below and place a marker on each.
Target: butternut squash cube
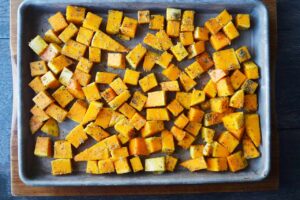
(156, 22)
(219, 150)
(219, 41)
(193, 128)
(77, 111)
(237, 99)
(164, 59)
(230, 31)
(118, 86)
(172, 86)
(224, 87)
(219, 104)
(75, 89)
(119, 153)
(184, 98)
(119, 100)
(105, 42)
(82, 77)
(51, 127)
(251, 70)
(105, 77)
(152, 41)
(135, 56)
(253, 128)
(138, 121)
(143, 16)
(76, 136)
(92, 21)
(195, 115)
(153, 144)
(42, 100)
(69, 32)
(173, 28)
(98, 151)
(92, 112)
(149, 60)
(35, 123)
(73, 49)
(51, 37)
(178, 133)
(173, 14)
(49, 80)
(194, 70)
(116, 60)
(224, 18)
(195, 164)
(157, 164)
(96, 132)
(95, 54)
(37, 85)
(233, 121)
(205, 61)
(237, 78)
(92, 167)
(213, 26)
(125, 128)
(201, 33)
(250, 102)
(106, 166)
(228, 141)
(187, 82)
(91, 92)
(249, 86)
(181, 121)
(38, 45)
(167, 142)
(61, 167)
(213, 118)
(131, 77)
(129, 26)
(164, 40)
(148, 82)
(207, 150)
(104, 117)
(217, 164)
(171, 163)
(175, 107)
(85, 36)
(114, 20)
(50, 52)
(138, 100)
(198, 96)
(156, 99)
(196, 151)
(39, 113)
(157, 114)
(187, 22)
(243, 54)
(62, 149)
(62, 96)
(237, 162)
(137, 146)
(152, 127)
(217, 74)
(196, 48)
(75, 14)
(207, 134)
(172, 72)
(65, 76)
(57, 22)
(108, 95)
(242, 21)
(249, 149)
(136, 164)
(210, 89)
(226, 60)
(179, 51)
(43, 147)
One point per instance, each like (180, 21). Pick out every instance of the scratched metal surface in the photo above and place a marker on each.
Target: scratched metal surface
(33, 20)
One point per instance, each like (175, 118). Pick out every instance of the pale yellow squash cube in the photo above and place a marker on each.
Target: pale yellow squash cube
(143, 16)
(65, 76)
(156, 99)
(116, 60)
(157, 164)
(38, 45)
(39, 113)
(50, 52)
(173, 14)
(172, 86)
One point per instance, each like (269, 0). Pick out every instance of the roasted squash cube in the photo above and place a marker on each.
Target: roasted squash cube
(156, 22)
(152, 41)
(249, 149)
(114, 20)
(115, 117)
(237, 99)
(38, 45)
(252, 126)
(84, 36)
(164, 59)
(56, 112)
(105, 42)
(92, 167)
(194, 70)
(128, 27)
(42, 100)
(178, 133)
(43, 147)
(217, 74)
(193, 128)
(175, 108)
(58, 63)
(148, 82)
(164, 40)
(213, 118)
(249, 86)
(106, 166)
(76, 136)
(149, 60)
(173, 14)
(230, 31)
(233, 121)
(65, 76)
(77, 111)
(172, 72)
(62, 149)
(184, 98)
(205, 61)
(226, 60)
(219, 41)
(51, 127)
(94, 54)
(224, 18)
(157, 114)
(219, 150)
(105, 77)
(39, 113)
(167, 142)
(104, 117)
(137, 146)
(224, 87)
(38, 68)
(156, 99)
(228, 141)
(125, 128)
(143, 16)
(172, 86)
(136, 164)
(173, 28)
(196, 151)
(119, 100)
(138, 121)
(213, 26)
(242, 21)
(198, 96)
(187, 82)
(58, 22)
(138, 100)
(195, 115)
(210, 89)
(152, 127)
(171, 163)
(62, 96)
(75, 14)
(118, 86)
(119, 153)
(207, 134)
(73, 49)
(157, 164)
(84, 65)
(187, 22)
(92, 21)
(75, 89)
(51, 52)
(153, 144)
(61, 167)
(207, 149)
(96, 132)
(219, 104)
(181, 121)
(237, 78)
(98, 151)
(217, 164)
(242, 54)
(127, 110)
(35, 123)
(136, 55)
(91, 92)
(237, 161)
(186, 38)
(116, 60)
(179, 51)
(92, 112)
(201, 33)
(37, 85)
(69, 32)
(195, 164)
(251, 70)
(51, 37)
(196, 48)
(250, 102)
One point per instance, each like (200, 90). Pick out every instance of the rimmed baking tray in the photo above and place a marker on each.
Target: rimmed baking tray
(32, 20)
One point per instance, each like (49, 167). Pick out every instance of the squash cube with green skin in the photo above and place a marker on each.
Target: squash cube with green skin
(156, 99)
(77, 111)
(186, 38)
(164, 40)
(243, 54)
(129, 26)
(65, 76)
(43, 100)
(173, 28)
(195, 49)
(92, 21)
(226, 60)
(195, 164)
(84, 36)
(228, 141)
(237, 99)
(251, 70)
(179, 51)
(114, 20)
(230, 31)
(196, 151)
(198, 96)
(187, 82)
(105, 77)
(167, 142)
(51, 37)
(58, 22)
(122, 166)
(173, 14)
(136, 164)
(119, 100)
(58, 63)
(92, 112)
(50, 52)
(219, 41)
(181, 121)
(143, 16)
(187, 22)
(135, 56)
(38, 68)
(76, 136)
(69, 32)
(157, 164)
(92, 167)
(237, 78)
(201, 33)
(138, 121)
(156, 22)
(242, 21)
(56, 112)
(148, 82)
(219, 104)
(213, 26)
(51, 127)
(172, 72)
(249, 86)
(170, 86)
(175, 108)
(37, 85)
(38, 45)
(61, 167)
(62, 96)
(138, 100)
(224, 18)
(194, 70)
(164, 59)
(73, 49)
(237, 162)
(43, 147)
(62, 149)
(75, 14)
(224, 87)
(207, 134)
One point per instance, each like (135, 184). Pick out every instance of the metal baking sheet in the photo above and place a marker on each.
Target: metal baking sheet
(32, 20)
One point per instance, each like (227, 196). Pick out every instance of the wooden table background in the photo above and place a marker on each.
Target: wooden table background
(287, 97)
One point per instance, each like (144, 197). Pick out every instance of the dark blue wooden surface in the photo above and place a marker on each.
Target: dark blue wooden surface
(287, 106)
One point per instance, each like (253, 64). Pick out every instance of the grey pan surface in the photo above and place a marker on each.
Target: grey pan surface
(33, 20)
